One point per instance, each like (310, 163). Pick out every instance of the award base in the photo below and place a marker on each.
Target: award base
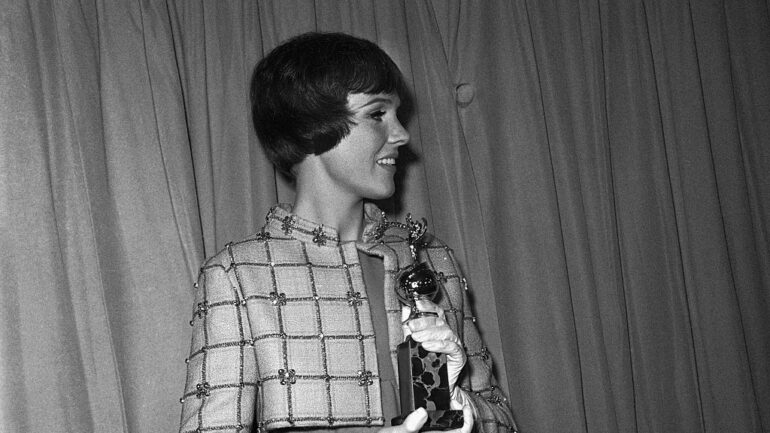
(438, 420)
(423, 382)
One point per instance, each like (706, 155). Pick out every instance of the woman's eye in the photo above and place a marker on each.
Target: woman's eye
(377, 115)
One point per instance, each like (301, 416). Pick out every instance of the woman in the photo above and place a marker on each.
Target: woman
(296, 327)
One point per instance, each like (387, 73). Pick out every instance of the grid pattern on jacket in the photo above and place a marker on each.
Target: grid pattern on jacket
(300, 333)
(259, 293)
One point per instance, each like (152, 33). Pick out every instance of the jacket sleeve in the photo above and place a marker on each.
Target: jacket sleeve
(493, 413)
(220, 394)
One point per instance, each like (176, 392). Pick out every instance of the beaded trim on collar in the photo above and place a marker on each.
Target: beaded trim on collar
(281, 222)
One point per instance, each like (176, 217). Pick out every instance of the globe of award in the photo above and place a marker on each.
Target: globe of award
(422, 375)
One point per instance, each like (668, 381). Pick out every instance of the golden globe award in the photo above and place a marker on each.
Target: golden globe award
(422, 375)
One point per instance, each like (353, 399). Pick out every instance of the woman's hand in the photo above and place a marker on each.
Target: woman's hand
(411, 424)
(416, 419)
(436, 336)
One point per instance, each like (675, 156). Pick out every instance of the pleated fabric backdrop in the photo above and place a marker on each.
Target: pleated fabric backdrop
(602, 169)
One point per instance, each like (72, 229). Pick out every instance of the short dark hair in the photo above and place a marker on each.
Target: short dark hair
(299, 92)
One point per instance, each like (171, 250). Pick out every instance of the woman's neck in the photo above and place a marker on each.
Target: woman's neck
(347, 217)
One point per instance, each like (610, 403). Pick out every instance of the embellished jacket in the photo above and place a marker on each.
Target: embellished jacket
(283, 337)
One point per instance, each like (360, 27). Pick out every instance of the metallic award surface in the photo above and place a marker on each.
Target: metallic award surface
(423, 379)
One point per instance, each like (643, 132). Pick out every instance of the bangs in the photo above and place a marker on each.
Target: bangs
(362, 71)
(375, 76)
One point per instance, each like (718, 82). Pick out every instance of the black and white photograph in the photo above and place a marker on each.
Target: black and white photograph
(393, 216)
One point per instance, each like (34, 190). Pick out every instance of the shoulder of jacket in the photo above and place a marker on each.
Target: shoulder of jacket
(224, 257)
(434, 243)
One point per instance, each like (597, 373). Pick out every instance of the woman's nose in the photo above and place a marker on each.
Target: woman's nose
(399, 136)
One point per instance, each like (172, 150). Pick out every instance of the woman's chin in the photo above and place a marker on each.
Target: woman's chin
(382, 193)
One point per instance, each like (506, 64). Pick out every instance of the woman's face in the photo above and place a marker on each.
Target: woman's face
(364, 162)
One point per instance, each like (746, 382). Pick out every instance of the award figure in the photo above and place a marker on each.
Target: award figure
(422, 375)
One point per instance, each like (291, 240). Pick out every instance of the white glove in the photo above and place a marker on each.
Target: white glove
(436, 336)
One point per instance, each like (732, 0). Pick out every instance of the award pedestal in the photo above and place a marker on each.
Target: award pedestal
(423, 382)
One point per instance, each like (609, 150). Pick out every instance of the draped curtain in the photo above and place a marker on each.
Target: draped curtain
(601, 168)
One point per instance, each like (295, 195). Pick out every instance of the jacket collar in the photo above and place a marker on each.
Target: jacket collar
(281, 222)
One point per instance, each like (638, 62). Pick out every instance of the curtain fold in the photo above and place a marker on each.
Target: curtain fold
(54, 309)
(601, 169)
(145, 141)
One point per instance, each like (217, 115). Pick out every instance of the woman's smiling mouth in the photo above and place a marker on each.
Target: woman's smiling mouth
(387, 161)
